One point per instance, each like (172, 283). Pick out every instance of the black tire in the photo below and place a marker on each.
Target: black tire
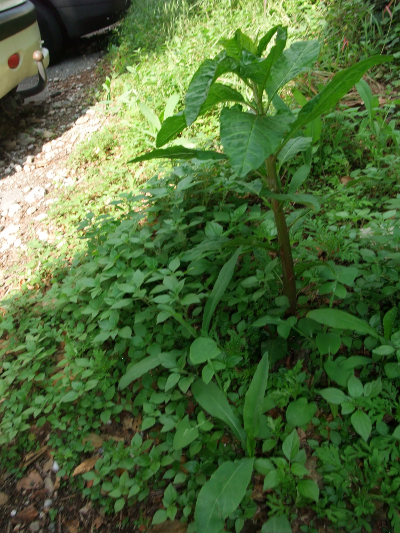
(50, 30)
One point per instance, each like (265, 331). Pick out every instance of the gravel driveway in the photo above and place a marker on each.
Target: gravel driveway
(34, 147)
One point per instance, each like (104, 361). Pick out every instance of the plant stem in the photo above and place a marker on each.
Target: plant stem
(285, 251)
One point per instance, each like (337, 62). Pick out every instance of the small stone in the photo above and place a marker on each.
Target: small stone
(3, 498)
(13, 513)
(9, 145)
(27, 189)
(10, 230)
(27, 168)
(37, 193)
(47, 503)
(52, 527)
(49, 485)
(34, 527)
(17, 243)
(17, 168)
(47, 134)
(31, 210)
(28, 160)
(42, 235)
(41, 217)
(55, 468)
(13, 210)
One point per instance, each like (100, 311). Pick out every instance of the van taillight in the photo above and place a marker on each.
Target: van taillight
(13, 61)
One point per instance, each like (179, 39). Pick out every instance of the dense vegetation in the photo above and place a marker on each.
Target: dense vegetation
(169, 335)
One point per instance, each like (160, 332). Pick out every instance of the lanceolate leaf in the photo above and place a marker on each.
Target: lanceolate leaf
(260, 71)
(334, 318)
(306, 199)
(293, 147)
(221, 495)
(173, 126)
(199, 87)
(170, 128)
(213, 400)
(136, 371)
(179, 152)
(340, 85)
(295, 60)
(253, 402)
(224, 277)
(265, 40)
(249, 139)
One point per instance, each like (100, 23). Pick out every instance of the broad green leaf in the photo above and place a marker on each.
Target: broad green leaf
(224, 277)
(240, 42)
(259, 71)
(179, 152)
(355, 387)
(265, 39)
(203, 349)
(362, 424)
(295, 60)
(160, 516)
(373, 389)
(388, 321)
(185, 434)
(277, 524)
(272, 480)
(221, 495)
(328, 343)
(263, 466)
(309, 489)
(119, 504)
(396, 433)
(71, 396)
(392, 370)
(334, 318)
(200, 85)
(253, 402)
(332, 395)
(292, 148)
(170, 128)
(249, 139)
(384, 350)
(306, 199)
(125, 333)
(214, 401)
(334, 91)
(136, 371)
(299, 412)
(299, 470)
(291, 445)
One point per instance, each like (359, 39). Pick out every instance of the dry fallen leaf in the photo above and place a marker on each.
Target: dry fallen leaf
(96, 440)
(169, 527)
(32, 481)
(32, 456)
(98, 522)
(86, 466)
(345, 180)
(27, 515)
(72, 527)
(3, 498)
(85, 510)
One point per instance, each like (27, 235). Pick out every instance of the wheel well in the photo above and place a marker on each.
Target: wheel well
(50, 7)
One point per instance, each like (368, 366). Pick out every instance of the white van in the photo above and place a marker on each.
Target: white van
(21, 52)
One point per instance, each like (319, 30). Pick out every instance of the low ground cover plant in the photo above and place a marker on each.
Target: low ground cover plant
(165, 352)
